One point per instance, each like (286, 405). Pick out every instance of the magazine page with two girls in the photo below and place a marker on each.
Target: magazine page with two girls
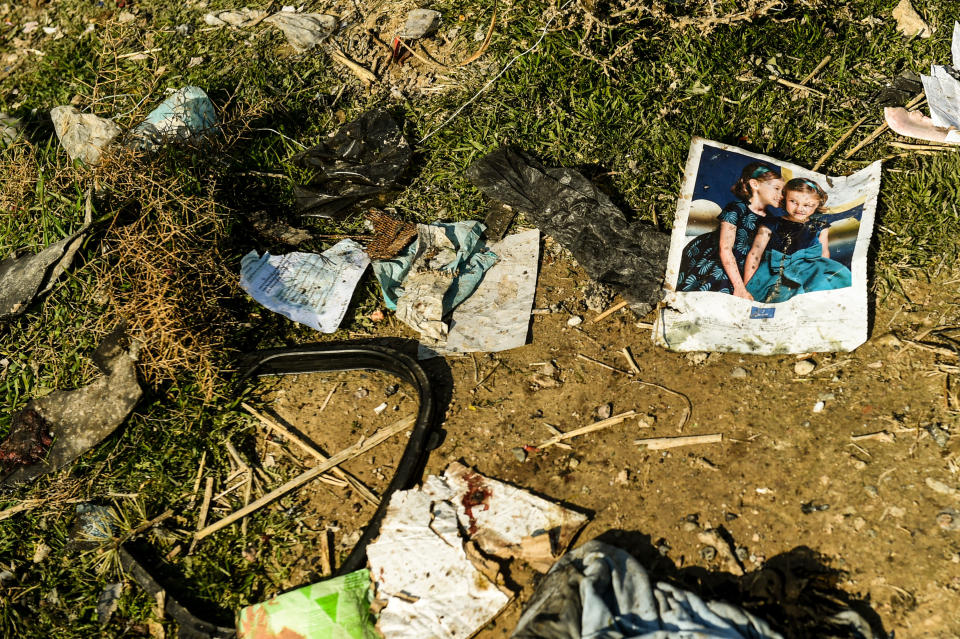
(767, 257)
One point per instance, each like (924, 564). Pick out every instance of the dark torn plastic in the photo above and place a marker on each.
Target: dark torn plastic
(80, 419)
(628, 256)
(903, 88)
(24, 278)
(358, 165)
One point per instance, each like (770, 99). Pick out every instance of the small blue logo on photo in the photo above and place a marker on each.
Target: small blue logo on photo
(761, 313)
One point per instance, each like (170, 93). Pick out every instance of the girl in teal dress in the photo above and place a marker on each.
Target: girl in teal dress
(714, 261)
(790, 254)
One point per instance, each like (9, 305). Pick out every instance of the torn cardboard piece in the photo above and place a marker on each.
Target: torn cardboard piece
(421, 563)
(497, 316)
(942, 89)
(308, 288)
(80, 419)
(627, 256)
(337, 608)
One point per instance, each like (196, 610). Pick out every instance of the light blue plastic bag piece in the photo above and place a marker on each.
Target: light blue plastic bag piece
(473, 259)
(183, 116)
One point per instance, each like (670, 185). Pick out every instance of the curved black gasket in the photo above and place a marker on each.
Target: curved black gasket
(323, 358)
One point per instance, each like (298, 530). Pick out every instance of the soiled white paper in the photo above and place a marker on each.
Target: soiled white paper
(814, 321)
(309, 288)
(497, 316)
(421, 568)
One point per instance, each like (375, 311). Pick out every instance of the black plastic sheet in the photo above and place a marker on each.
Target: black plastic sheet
(358, 165)
(630, 257)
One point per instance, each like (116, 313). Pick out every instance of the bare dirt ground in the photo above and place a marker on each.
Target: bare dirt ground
(793, 470)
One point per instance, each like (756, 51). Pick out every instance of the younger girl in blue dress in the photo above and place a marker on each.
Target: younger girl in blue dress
(797, 258)
(714, 261)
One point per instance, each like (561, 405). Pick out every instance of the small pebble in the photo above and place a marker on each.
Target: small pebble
(689, 526)
(379, 409)
(730, 516)
(391, 390)
(826, 397)
(698, 357)
(804, 367)
(939, 434)
(604, 411)
(818, 407)
(708, 553)
(576, 320)
(519, 453)
(739, 372)
(949, 519)
(574, 462)
(743, 554)
(361, 393)
(623, 477)
(871, 490)
(806, 423)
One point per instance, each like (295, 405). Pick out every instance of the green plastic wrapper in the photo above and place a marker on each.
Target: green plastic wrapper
(337, 608)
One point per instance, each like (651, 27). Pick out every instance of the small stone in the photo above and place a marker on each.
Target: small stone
(519, 453)
(623, 477)
(897, 511)
(391, 390)
(939, 434)
(818, 407)
(361, 393)
(663, 547)
(804, 367)
(585, 490)
(548, 369)
(889, 340)
(689, 526)
(948, 519)
(604, 411)
(730, 516)
(743, 554)
(871, 490)
(739, 372)
(379, 409)
(576, 320)
(708, 553)
(573, 462)
(41, 552)
(697, 358)
(859, 464)
(826, 397)
(805, 423)
(859, 523)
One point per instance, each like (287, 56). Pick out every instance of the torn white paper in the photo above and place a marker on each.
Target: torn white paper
(497, 316)
(432, 589)
(83, 135)
(802, 296)
(421, 568)
(308, 288)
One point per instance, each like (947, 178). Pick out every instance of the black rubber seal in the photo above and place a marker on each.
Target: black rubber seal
(322, 358)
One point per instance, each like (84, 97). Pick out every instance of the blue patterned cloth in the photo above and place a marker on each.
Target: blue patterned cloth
(793, 263)
(700, 268)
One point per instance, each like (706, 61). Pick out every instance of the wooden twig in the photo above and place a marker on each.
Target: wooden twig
(797, 86)
(662, 443)
(924, 147)
(205, 504)
(610, 311)
(196, 484)
(236, 456)
(329, 395)
(247, 492)
(556, 431)
(632, 362)
(836, 145)
(354, 483)
(817, 69)
(583, 430)
(337, 54)
(326, 565)
(880, 435)
(601, 364)
(487, 376)
(145, 526)
(346, 454)
(686, 412)
(486, 41)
